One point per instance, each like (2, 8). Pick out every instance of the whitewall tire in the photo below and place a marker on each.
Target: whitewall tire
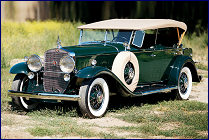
(94, 98)
(184, 84)
(19, 83)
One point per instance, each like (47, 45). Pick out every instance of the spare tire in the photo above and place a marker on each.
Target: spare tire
(126, 68)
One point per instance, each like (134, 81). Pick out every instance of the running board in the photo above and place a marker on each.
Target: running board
(151, 90)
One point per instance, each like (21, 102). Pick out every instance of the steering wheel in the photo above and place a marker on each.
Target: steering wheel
(122, 37)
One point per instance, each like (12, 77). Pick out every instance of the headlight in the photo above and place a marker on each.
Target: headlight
(34, 63)
(67, 64)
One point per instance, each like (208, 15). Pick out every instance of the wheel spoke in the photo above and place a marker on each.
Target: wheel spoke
(183, 83)
(96, 96)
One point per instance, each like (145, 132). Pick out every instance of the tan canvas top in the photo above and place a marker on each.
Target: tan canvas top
(134, 24)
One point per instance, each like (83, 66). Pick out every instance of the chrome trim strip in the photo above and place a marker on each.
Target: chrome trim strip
(53, 71)
(51, 96)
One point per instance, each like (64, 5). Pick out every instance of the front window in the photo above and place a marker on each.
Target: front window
(105, 36)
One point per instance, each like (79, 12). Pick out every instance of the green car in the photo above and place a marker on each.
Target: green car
(130, 57)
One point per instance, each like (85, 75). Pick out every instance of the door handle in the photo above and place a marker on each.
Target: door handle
(153, 55)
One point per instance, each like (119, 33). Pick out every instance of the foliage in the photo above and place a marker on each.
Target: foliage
(199, 45)
(24, 39)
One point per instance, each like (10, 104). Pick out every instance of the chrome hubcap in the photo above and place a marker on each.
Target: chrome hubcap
(183, 83)
(96, 97)
(129, 73)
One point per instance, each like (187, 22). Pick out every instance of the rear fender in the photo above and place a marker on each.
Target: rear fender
(19, 68)
(180, 62)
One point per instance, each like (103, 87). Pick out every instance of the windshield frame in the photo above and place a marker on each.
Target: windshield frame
(105, 41)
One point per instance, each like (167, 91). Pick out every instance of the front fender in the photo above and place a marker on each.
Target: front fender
(176, 67)
(92, 71)
(19, 68)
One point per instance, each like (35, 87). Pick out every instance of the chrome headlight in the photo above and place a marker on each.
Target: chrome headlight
(67, 64)
(34, 63)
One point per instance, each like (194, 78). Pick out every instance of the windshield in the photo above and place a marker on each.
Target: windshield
(102, 36)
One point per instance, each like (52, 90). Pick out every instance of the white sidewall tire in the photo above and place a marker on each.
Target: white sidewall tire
(119, 64)
(187, 71)
(26, 106)
(100, 112)
(22, 100)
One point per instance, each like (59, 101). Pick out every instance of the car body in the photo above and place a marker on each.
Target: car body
(131, 57)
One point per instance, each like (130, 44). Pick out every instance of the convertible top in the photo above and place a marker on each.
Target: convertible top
(134, 24)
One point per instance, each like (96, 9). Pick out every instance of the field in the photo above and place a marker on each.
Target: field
(135, 118)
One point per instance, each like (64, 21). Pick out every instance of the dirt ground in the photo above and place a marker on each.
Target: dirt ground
(17, 130)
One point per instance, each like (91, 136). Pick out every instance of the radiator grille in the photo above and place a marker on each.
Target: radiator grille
(53, 81)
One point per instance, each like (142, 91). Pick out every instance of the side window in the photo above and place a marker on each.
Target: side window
(149, 39)
(138, 38)
(167, 37)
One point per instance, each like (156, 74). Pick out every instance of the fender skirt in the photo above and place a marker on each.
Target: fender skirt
(19, 68)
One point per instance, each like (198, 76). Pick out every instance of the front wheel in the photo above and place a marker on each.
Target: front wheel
(20, 83)
(94, 98)
(184, 84)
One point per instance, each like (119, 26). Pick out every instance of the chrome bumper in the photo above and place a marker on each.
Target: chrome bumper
(52, 96)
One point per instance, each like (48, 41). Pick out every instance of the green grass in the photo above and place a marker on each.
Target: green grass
(55, 123)
(58, 125)
(6, 83)
(190, 117)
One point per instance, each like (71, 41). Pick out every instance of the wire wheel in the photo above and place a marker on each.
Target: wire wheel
(96, 97)
(129, 73)
(183, 82)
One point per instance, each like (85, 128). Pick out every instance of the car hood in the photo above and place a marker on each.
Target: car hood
(92, 49)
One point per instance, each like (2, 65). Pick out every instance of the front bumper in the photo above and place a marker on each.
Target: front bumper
(52, 96)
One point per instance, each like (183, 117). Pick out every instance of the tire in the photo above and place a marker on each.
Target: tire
(95, 87)
(119, 69)
(19, 82)
(184, 84)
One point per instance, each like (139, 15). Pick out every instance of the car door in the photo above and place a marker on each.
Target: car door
(166, 46)
(148, 58)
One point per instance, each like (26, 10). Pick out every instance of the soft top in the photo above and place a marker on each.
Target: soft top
(134, 24)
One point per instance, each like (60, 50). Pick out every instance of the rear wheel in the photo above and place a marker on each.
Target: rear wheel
(20, 83)
(184, 84)
(94, 98)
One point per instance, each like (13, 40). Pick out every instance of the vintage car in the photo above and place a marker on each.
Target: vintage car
(131, 57)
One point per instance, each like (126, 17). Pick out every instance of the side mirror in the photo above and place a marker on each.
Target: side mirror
(138, 38)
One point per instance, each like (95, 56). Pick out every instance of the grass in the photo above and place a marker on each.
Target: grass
(55, 123)
(187, 119)
(58, 125)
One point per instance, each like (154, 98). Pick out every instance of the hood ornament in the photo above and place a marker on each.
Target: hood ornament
(59, 43)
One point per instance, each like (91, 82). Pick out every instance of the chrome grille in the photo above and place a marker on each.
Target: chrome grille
(53, 80)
